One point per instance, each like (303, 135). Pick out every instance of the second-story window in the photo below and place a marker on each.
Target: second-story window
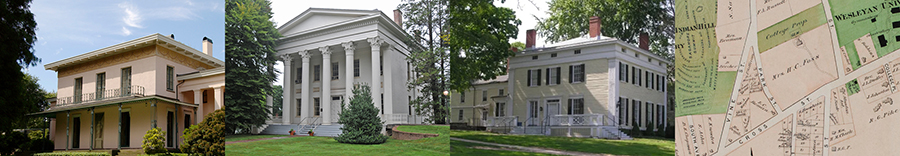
(78, 84)
(484, 95)
(316, 73)
(205, 96)
(534, 77)
(170, 78)
(621, 71)
(101, 85)
(462, 97)
(126, 81)
(576, 73)
(299, 75)
(553, 76)
(500, 92)
(335, 71)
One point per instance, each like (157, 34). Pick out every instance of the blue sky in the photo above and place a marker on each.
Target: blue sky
(69, 28)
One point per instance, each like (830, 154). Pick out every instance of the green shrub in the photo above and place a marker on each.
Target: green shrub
(38, 145)
(12, 141)
(361, 122)
(39, 134)
(635, 129)
(649, 130)
(154, 141)
(206, 138)
(73, 154)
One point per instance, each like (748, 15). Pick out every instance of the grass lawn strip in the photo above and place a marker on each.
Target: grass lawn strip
(525, 149)
(317, 145)
(230, 138)
(467, 148)
(638, 146)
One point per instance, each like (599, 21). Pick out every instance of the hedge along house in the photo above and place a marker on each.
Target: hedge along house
(590, 86)
(109, 98)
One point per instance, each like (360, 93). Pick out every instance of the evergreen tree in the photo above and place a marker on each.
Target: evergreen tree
(361, 122)
(250, 38)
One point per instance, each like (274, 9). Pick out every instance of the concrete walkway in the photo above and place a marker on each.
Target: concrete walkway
(506, 147)
(260, 139)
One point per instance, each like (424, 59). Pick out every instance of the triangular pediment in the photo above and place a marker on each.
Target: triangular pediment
(320, 17)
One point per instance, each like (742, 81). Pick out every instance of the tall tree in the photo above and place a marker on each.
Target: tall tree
(17, 35)
(277, 99)
(622, 19)
(424, 20)
(478, 35)
(250, 38)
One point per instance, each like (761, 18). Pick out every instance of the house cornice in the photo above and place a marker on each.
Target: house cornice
(201, 74)
(149, 40)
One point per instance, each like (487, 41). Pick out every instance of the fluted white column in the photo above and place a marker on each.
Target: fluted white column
(376, 42)
(326, 85)
(304, 85)
(198, 99)
(286, 90)
(348, 68)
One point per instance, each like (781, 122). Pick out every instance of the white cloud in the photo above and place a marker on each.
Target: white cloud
(132, 15)
(125, 31)
(58, 50)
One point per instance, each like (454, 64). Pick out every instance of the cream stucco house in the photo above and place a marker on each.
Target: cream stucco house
(109, 98)
(590, 86)
(327, 51)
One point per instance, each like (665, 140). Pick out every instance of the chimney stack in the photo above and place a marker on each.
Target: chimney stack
(398, 18)
(207, 46)
(595, 26)
(529, 38)
(644, 41)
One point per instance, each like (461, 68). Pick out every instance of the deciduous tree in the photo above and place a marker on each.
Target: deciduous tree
(424, 20)
(16, 52)
(478, 35)
(250, 38)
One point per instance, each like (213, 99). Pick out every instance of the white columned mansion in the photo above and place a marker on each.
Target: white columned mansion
(327, 51)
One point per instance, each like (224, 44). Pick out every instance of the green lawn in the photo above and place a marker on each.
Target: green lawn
(463, 148)
(328, 146)
(638, 146)
(248, 137)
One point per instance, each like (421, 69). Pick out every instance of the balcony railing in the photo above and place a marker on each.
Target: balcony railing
(577, 120)
(403, 119)
(106, 94)
(503, 121)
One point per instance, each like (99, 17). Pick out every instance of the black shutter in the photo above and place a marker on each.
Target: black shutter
(569, 111)
(583, 73)
(558, 76)
(529, 78)
(539, 77)
(571, 74)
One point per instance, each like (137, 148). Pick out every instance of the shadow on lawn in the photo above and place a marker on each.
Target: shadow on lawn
(639, 146)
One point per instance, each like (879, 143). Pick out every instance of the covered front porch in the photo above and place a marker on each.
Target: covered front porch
(118, 121)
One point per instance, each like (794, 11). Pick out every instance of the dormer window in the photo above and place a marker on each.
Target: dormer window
(534, 57)
(577, 51)
(553, 55)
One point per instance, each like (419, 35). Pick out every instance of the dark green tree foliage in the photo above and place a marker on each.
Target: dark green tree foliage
(249, 50)
(206, 138)
(16, 51)
(622, 19)
(277, 99)
(424, 20)
(478, 34)
(11, 141)
(361, 122)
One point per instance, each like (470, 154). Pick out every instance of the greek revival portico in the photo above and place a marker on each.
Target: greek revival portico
(325, 52)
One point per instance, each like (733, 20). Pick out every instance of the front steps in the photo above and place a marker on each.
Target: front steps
(320, 130)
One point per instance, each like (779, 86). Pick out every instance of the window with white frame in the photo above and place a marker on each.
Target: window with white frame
(462, 97)
(576, 106)
(622, 110)
(534, 77)
(484, 95)
(500, 109)
(316, 73)
(553, 75)
(621, 71)
(576, 73)
(356, 68)
(460, 118)
(335, 71)
(170, 78)
(316, 107)
(534, 109)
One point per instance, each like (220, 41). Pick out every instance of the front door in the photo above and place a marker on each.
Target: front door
(532, 113)
(76, 132)
(98, 130)
(125, 136)
(335, 108)
(552, 111)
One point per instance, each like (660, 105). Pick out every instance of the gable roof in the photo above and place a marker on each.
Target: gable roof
(302, 17)
(149, 40)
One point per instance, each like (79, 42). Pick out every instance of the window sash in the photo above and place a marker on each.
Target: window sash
(356, 68)
(316, 72)
(170, 76)
(335, 71)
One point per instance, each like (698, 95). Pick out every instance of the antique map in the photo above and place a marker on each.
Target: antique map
(787, 77)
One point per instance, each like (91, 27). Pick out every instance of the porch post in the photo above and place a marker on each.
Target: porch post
(198, 99)
(67, 128)
(326, 85)
(218, 98)
(155, 111)
(376, 42)
(92, 129)
(348, 68)
(286, 89)
(120, 128)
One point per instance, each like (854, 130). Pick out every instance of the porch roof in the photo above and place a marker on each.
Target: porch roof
(49, 113)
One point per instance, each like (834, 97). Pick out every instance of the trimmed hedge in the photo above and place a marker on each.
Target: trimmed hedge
(73, 154)
(154, 141)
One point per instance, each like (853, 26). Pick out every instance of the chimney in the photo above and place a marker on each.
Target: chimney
(595, 26)
(398, 18)
(207, 46)
(529, 38)
(644, 41)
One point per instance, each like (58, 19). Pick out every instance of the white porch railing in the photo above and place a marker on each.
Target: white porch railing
(502, 121)
(403, 119)
(577, 120)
